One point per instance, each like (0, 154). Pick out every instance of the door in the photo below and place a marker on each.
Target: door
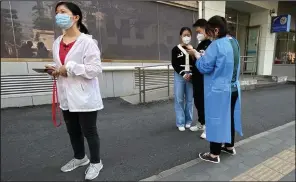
(250, 63)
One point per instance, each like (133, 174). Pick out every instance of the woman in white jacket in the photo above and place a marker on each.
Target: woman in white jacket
(77, 66)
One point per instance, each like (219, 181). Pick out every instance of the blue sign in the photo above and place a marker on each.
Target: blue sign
(281, 23)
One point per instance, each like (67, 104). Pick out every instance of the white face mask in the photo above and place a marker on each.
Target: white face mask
(200, 37)
(186, 40)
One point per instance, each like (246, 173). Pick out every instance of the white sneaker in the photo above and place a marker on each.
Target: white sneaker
(74, 163)
(93, 171)
(202, 127)
(203, 135)
(187, 126)
(181, 128)
(197, 128)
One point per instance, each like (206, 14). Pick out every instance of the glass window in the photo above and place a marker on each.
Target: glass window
(171, 20)
(28, 29)
(125, 30)
(285, 48)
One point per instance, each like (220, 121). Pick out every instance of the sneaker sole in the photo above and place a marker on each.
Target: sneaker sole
(96, 175)
(83, 164)
(208, 160)
(227, 152)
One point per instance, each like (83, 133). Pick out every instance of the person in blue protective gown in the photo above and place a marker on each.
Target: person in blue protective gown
(220, 64)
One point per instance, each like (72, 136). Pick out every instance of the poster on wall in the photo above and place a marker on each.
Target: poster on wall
(281, 23)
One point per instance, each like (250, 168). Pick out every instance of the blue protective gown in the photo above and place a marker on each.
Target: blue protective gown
(217, 66)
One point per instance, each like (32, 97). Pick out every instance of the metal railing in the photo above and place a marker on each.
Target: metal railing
(149, 78)
(245, 60)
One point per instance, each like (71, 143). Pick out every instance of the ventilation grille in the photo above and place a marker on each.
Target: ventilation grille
(25, 84)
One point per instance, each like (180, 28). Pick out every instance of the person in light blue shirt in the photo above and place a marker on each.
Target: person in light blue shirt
(220, 65)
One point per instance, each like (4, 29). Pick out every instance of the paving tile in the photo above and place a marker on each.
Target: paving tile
(231, 160)
(264, 147)
(218, 168)
(249, 152)
(237, 169)
(251, 161)
(219, 177)
(255, 143)
(290, 141)
(244, 178)
(174, 177)
(279, 165)
(287, 155)
(271, 152)
(275, 141)
(197, 177)
(264, 173)
(274, 135)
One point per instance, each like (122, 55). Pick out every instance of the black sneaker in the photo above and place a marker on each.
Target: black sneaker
(231, 152)
(207, 157)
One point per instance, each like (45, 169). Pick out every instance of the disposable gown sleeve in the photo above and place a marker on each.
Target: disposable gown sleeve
(206, 63)
(91, 66)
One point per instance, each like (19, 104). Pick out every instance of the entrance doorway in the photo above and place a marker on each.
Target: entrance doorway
(251, 59)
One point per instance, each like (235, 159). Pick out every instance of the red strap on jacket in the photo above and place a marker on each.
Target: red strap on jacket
(55, 105)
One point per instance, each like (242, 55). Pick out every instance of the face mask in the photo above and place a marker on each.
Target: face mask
(63, 21)
(200, 37)
(186, 39)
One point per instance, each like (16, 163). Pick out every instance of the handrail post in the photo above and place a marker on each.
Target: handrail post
(243, 65)
(140, 87)
(144, 88)
(168, 81)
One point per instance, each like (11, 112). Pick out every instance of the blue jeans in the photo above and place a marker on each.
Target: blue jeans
(183, 89)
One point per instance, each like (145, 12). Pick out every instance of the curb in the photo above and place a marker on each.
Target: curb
(197, 160)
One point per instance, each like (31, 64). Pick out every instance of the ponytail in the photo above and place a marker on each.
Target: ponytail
(83, 28)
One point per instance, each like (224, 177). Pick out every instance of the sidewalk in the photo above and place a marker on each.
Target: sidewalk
(137, 141)
(268, 156)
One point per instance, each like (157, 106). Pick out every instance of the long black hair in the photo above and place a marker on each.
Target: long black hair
(217, 22)
(75, 11)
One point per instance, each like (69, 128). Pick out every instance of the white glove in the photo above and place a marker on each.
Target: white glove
(197, 54)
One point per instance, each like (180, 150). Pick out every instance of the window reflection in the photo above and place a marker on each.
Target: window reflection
(285, 48)
(125, 30)
(27, 29)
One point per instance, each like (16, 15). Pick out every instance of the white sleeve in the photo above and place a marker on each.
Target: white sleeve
(91, 66)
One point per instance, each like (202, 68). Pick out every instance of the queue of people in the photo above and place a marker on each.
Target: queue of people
(207, 77)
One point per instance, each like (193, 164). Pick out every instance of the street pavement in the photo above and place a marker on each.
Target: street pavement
(137, 141)
(268, 156)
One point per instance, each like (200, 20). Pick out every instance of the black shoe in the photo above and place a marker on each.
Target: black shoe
(207, 157)
(231, 152)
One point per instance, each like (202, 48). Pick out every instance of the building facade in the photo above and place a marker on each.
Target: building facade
(137, 33)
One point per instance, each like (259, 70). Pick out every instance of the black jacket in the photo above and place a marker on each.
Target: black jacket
(197, 77)
(178, 59)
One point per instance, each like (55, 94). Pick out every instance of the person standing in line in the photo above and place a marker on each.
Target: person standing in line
(220, 65)
(77, 67)
(181, 62)
(198, 78)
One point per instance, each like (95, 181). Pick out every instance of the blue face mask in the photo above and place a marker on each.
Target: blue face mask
(63, 21)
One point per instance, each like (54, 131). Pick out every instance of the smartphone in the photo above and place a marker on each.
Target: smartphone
(49, 71)
(43, 70)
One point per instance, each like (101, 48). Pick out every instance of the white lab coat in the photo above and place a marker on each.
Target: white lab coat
(80, 91)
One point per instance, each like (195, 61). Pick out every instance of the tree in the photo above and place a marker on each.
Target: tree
(42, 21)
(11, 31)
